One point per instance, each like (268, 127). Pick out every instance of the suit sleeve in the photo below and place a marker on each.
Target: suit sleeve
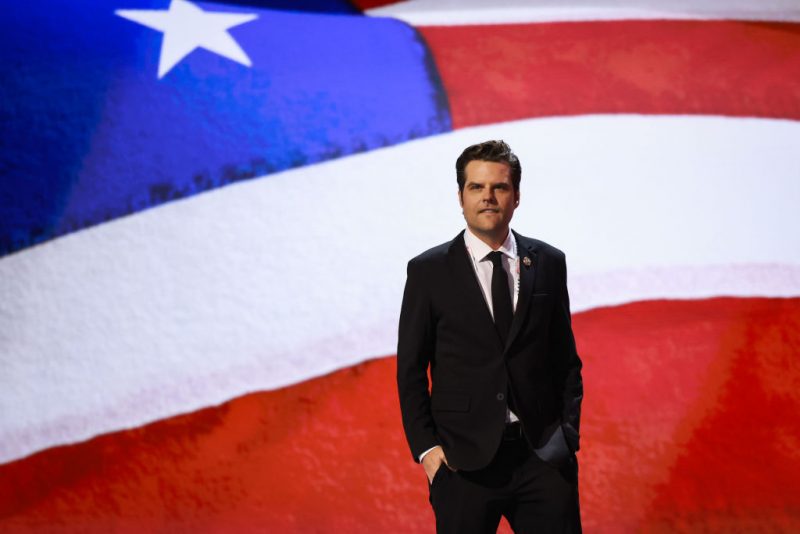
(415, 347)
(568, 363)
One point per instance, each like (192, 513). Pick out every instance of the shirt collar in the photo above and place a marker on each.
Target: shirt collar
(480, 250)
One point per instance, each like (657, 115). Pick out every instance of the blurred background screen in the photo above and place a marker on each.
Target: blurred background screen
(206, 210)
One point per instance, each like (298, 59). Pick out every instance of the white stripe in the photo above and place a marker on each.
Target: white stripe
(452, 12)
(199, 301)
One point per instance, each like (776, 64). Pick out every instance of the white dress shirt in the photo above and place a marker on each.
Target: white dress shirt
(478, 252)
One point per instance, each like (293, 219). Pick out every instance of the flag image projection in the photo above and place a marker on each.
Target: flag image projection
(206, 210)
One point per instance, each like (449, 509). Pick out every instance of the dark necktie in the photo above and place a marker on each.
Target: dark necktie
(501, 296)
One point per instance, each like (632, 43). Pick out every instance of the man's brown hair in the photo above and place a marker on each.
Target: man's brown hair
(497, 151)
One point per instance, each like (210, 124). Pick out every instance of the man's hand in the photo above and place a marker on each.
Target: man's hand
(432, 461)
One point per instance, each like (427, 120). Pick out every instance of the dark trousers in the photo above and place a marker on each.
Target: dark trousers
(533, 495)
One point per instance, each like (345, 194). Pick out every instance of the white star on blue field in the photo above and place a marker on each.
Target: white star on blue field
(186, 27)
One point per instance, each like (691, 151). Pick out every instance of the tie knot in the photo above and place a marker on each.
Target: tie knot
(496, 258)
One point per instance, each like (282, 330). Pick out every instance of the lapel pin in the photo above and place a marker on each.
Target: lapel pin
(526, 261)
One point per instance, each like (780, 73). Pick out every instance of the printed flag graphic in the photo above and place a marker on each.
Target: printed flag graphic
(206, 210)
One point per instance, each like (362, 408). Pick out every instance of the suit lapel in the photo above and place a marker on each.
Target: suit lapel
(527, 278)
(465, 277)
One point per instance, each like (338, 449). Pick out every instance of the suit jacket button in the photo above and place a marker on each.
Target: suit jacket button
(500, 396)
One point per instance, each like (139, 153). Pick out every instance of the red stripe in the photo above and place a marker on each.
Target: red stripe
(690, 424)
(499, 73)
(363, 5)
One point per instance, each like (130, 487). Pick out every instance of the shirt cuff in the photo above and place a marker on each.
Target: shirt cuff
(421, 456)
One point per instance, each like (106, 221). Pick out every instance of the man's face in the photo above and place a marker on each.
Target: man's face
(488, 199)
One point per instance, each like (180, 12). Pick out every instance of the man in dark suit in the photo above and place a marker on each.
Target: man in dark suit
(488, 314)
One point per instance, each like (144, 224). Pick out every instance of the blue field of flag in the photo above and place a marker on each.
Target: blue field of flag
(91, 133)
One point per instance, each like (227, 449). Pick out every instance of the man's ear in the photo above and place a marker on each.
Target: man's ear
(516, 197)
(460, 198)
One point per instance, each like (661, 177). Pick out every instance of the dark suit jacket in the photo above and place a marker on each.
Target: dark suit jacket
(445, 324)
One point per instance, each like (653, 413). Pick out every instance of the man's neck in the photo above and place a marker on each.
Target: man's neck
(494, 240)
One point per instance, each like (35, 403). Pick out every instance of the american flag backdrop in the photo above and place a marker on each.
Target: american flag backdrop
(206, 210)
